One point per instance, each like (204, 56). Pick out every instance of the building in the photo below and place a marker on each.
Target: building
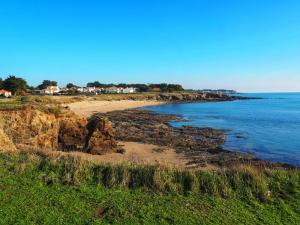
(91, 90)
(114, 90)
(129, 90)
(219, 91)
(5, 93)
(50, 90)
(156, 89)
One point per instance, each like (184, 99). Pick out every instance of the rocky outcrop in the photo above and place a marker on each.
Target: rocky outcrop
(27, 128)
(72, 132)
(200, 146)
(180, 97)
(30, 128)
(196, 97)
(100, 138)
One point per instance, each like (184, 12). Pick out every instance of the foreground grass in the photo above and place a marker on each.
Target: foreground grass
(36, 189)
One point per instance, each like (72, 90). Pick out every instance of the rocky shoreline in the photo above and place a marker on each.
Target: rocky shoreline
(56, 128)
(184, 97)
(202, 147)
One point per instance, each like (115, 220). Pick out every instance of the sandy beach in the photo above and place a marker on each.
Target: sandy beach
(87, 108)
(135, 153)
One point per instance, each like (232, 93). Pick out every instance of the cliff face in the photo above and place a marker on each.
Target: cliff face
(29, 128)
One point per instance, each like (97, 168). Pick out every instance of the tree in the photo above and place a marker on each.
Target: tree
(94, 84)
(141, 87)
(174, 87)
(15, 85)
(70, 85)
(1, 83)
(46, 83)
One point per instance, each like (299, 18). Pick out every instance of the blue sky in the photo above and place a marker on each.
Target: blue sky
(248, 45)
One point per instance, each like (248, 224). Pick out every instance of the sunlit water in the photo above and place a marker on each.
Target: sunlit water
(268, 127)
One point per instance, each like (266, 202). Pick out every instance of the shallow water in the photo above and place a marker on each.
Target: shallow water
(268, 127)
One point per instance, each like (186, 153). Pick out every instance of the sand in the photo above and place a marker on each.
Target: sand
(135, 153)
(139, 153)
(88, 108)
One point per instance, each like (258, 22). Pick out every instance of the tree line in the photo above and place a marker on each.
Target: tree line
(163, 87)
(19, 86)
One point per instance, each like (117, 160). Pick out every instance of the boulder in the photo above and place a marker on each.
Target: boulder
(100, 138)
(72, 132)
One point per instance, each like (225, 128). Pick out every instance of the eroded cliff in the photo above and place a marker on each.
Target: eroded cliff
(31, 129)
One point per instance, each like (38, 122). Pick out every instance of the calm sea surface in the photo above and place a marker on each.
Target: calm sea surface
(268, 127)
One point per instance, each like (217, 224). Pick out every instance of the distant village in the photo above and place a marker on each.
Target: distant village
(96, 88)
(18, 86)
(55, 90)
(219, 91)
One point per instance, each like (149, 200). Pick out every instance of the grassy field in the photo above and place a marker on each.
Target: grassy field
(44, 102)
(38, 189)
(48, 104)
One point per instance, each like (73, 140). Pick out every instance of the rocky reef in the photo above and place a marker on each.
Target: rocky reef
(200, 146)
(179, 97)
(29, 128)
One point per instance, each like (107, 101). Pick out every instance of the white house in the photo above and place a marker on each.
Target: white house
(129, 90)
(5, 93)
(113, 90)
(92, 90)
(50, 90)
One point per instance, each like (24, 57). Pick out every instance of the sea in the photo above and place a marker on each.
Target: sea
(268, 127)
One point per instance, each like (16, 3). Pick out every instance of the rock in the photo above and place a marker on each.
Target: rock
(72, 133)
(100, 136)
(200, 146)
(31, 129)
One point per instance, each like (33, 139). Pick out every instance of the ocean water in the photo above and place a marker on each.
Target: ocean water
(268, 127)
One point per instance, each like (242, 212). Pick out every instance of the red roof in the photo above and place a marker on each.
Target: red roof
(156, 89)
(3, 91)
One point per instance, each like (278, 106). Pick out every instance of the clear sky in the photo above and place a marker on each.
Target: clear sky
(248, 45)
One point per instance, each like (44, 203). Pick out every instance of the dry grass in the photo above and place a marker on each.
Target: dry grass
(242, 182)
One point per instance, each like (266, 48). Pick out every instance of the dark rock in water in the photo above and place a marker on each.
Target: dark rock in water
(240, 137)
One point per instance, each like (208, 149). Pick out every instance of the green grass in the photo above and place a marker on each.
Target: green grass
(37, 189)
(45, 104)
(10, 104)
